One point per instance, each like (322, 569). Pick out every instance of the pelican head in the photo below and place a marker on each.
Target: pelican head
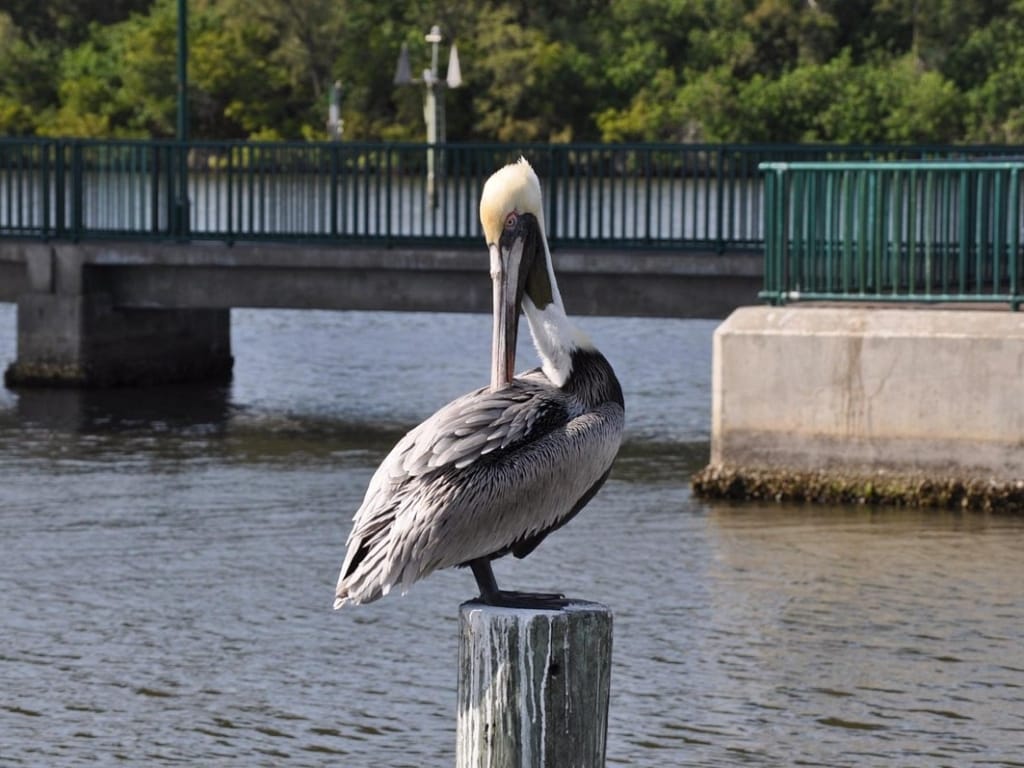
(512, 216)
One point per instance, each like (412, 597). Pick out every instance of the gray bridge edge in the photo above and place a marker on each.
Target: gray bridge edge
(199, 275)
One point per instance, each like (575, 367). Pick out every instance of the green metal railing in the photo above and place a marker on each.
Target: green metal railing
(678, 196)
(895, 231)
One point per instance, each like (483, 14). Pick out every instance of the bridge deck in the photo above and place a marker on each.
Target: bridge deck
(216, 276)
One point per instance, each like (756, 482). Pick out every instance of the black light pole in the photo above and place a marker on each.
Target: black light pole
(181, 188)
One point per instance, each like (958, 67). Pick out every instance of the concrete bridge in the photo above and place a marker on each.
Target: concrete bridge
(108, 313)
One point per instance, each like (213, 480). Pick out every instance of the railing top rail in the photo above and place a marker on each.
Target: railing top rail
(896, 165)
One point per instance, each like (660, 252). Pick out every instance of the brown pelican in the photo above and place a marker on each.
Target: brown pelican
(497, 470)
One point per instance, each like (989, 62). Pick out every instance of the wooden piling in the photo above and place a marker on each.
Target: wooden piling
(533, 686)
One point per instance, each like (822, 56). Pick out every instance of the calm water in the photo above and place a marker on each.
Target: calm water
(169, 560)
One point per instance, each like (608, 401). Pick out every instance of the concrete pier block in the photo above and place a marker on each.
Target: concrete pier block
(932, 393)
(81, 340)
(73, 333)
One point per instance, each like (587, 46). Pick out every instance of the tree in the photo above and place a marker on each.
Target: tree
(543, 70)
(117, 82)
(994, 57)
(27, 92)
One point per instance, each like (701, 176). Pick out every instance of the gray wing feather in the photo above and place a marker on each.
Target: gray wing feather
(475, 425)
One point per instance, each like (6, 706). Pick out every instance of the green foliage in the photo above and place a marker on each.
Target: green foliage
(25, 87)
(549, 70)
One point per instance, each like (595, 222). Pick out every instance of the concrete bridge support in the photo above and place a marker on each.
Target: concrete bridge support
(917, 406)
(70, 333)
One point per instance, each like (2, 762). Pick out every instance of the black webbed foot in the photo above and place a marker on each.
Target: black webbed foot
(491, 595)
(539, 601)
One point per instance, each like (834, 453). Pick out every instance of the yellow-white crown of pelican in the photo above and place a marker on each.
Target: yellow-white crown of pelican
(512, 188)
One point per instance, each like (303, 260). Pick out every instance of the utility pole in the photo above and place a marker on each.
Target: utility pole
(433, 101)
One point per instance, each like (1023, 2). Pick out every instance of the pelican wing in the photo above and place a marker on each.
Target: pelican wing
(461, 433)
(473, 426)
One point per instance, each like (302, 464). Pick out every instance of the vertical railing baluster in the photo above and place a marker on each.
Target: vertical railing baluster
(1014, 224)
(229, 181)
(60, 189)
(964, 230)
(929, 226)
(996, 244)
(333, 164)
(387, 212)
(912, 219)
(77, 190)
(559, 189)
(770, 284)
(44, 159)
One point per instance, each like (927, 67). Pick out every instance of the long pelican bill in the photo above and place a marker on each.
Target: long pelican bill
(505, 263)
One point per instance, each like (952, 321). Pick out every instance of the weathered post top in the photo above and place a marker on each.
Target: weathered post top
(533, 686)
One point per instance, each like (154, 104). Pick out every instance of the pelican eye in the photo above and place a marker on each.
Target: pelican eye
(511, 220)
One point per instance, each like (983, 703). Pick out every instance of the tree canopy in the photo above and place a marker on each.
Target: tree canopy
(930, 71)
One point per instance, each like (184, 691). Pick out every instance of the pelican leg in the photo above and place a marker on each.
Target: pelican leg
(491, 595)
